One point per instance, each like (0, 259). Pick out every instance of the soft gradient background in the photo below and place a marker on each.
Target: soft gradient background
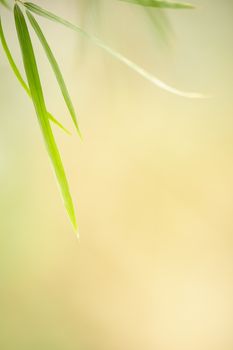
(152, 181)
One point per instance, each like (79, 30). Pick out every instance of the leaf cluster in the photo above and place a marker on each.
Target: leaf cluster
(33, 86)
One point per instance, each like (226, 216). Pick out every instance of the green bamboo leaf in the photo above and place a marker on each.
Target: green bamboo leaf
(56, 122)
(139, 70)
(11, 60)
(165, 4)
(40, 108)
(5, 3)
(55, 68)
(19, 76)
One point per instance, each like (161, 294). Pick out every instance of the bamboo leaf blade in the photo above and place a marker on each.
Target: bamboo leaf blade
(55, 67)
(161, 4)
(40, 108)
(11, 61)
(19, 77)
(138, 69)
(57, 123)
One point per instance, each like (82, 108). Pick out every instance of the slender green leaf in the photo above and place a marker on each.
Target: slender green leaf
(40, 108)
(165, 4)
(55, 68)
(56, 122)
(11, 60)
(44, 13)
(19, 76)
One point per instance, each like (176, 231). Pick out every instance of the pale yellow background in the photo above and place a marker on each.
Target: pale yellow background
(152, 182)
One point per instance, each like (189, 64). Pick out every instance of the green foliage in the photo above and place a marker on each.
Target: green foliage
(139, 70)
(19, 76)
(11, 60)
(41, 111)
(55, 67)
(34, 87)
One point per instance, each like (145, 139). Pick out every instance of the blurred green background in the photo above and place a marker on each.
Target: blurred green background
(152, 181)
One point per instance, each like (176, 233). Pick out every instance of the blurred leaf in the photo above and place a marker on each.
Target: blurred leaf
(39, 104)
(160, 23)
(19, 76)
(44, 13)
(55, 68)
(161, 4)
(5, 3)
